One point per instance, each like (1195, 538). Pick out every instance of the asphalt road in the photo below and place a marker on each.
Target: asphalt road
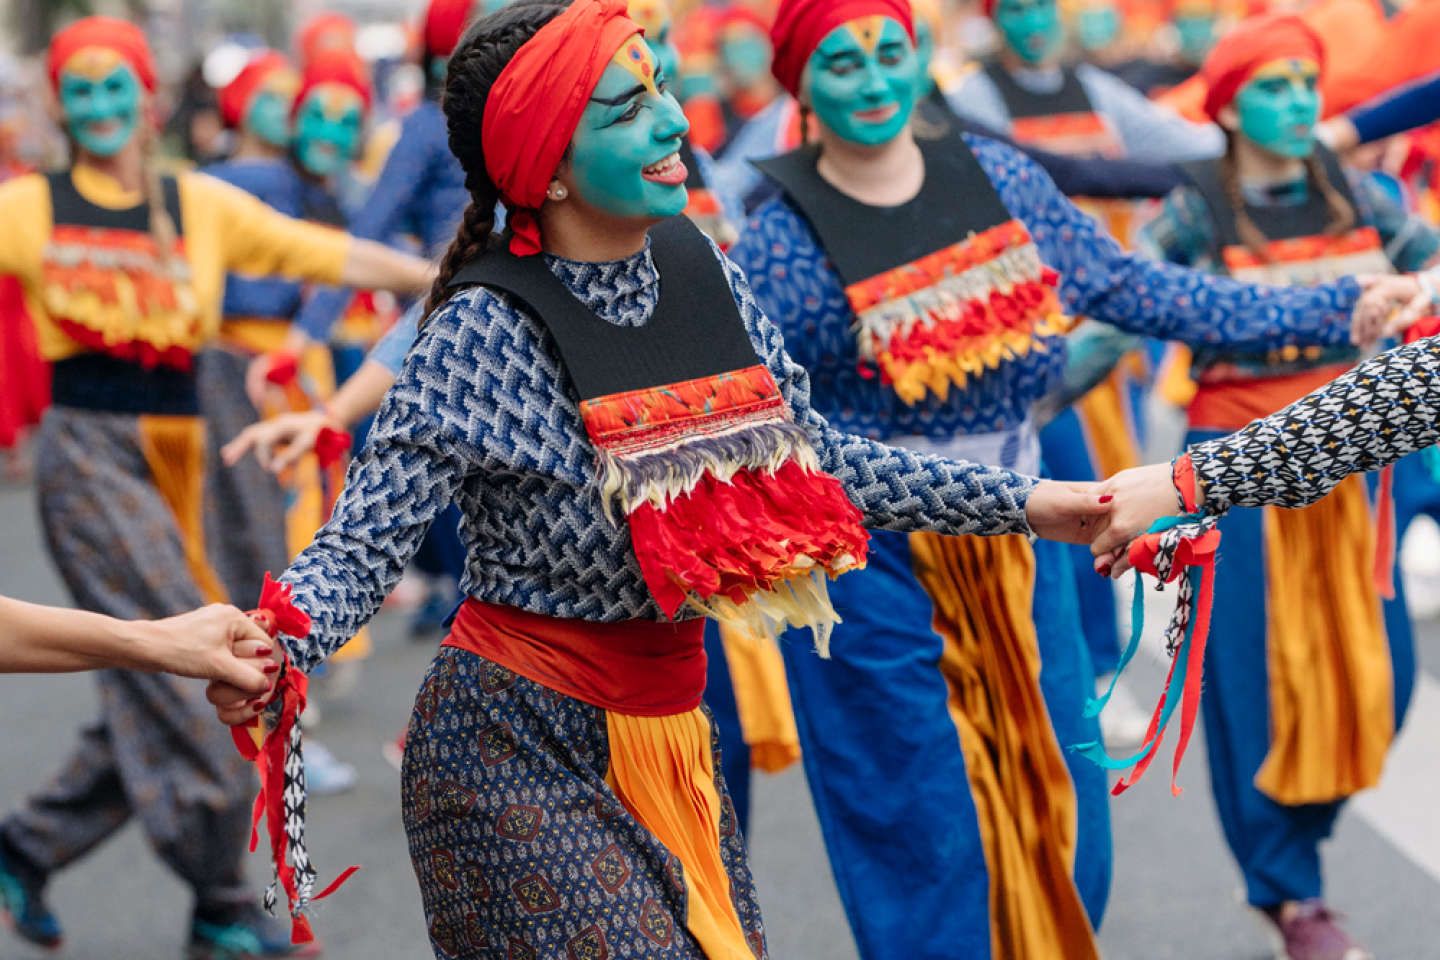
(1175, 892)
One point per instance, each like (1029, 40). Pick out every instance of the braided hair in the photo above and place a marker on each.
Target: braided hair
(1342, 212)
(488, 45)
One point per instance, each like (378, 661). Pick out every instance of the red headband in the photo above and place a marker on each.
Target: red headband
(800, 25)
(235, 95)
(325, 32)
(121, 36)
(1249, 47)
(535, 106)
(445, 22)
(333, 66)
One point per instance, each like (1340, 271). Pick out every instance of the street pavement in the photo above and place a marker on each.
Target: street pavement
(1175, 893)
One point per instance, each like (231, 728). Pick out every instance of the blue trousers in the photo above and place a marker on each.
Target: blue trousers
(1277, 847)
(885, 767)
(1067, 457)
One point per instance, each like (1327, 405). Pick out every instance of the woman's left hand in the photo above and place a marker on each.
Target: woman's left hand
(1388, 306)
(1138, 498)
(1067, 512)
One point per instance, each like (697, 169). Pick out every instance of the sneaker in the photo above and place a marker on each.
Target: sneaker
(1309, 930)
(429, 618)
(325, 774)
(394, 751)
(247, 935)
(1123, 722)
(22, 904)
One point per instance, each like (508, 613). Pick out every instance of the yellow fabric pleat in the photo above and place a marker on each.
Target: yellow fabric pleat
(1024, 800)
(1108, 432)
(174, 450)
(1331, 683)
(762, 698)
(663, 771)
(1174, 383)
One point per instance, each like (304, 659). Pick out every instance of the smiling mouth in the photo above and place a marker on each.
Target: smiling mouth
(104, 128)
(877, 114)
(671, 171)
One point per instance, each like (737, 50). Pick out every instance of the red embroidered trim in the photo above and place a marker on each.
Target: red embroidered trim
(640, 420)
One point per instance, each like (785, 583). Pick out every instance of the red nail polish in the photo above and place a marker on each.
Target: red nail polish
(1107, 498)
(271, 668)
(264, 652)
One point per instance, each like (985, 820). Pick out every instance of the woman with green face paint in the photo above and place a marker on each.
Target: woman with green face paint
(918, 286)
(1302, 700)
(123, 271)
(630, 448)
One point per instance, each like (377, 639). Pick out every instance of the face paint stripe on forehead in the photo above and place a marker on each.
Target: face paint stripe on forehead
(93, 63)
(866, 31)
(635, 56)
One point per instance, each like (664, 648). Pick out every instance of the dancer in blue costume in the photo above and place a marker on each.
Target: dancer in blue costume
(986, 839)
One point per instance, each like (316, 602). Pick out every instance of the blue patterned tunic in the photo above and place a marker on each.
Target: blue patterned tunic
(799, 289)
(483, 414)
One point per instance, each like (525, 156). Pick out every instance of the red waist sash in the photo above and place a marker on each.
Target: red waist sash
(642, 668)
(1232, 404)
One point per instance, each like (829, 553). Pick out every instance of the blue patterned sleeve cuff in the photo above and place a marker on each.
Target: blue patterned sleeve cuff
(894, 489)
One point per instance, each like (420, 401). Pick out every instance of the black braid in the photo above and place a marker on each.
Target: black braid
(1342, 212)
(1248, 230)
(488, 45)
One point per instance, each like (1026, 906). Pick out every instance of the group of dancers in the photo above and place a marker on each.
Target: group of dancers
(820, 410)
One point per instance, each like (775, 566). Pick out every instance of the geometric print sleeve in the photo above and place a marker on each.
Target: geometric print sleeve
(894, 489)
(1101, 281)
(1384, 409)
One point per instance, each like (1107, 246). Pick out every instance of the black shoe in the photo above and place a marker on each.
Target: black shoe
(22, 903)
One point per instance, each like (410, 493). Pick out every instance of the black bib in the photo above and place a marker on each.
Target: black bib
(1022, 103)
(69, 208)
(695, 331)
(862, 241)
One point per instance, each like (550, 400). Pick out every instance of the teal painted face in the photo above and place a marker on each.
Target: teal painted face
(1097, 26)
(1279, 106)
(667, 55)
(623, 158)
(269, 117)
(924, 57)
(102, 110)
(862, 79)
(746, 55)
(1031, 29)
(328, 127)
(1196, 35)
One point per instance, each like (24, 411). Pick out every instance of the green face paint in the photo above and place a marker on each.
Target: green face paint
(1197, 36)
(328, 127)
(1097, 26)
(862, 80)
(101, 114)
(624, 154)
(746, 55)
(924, 57)
(269, 117)
(667, 55)
(1279, 107)
(1031, 29)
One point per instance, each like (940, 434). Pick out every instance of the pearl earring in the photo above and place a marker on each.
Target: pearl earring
(557, 192)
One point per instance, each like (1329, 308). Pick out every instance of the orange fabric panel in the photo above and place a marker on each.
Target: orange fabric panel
(982, 588)
(663, 771)
(1232, 404)
(174, 450)
(1331, 699)
(762, 698)
(1105, 418)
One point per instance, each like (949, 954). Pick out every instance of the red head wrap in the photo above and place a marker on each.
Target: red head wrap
(336, 66)
(536, 102)
(121, 36)
(325, 32)
(800, 25)
(738, 16)
(1249, 47)
(235, 95)
(445, 22)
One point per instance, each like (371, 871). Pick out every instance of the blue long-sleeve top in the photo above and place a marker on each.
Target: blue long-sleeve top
(276, 183)
(420, 192)
(799, 289)
(484, 415)
(1413, 105)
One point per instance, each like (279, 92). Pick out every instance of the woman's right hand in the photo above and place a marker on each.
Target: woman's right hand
(236, 706)
(281, 441)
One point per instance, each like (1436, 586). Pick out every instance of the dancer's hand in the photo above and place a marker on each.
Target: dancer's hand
(216, 643)
(1339, 134)
(279, 442)
(1389, 305)
(1139, 497)
(1068, 512)
(236, 704)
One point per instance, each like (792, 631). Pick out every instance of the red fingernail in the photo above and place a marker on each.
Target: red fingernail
(264, 652)
(1107, 498)
(271, 668)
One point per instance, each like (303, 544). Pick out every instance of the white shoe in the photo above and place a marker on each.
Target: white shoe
(326, 776)
(1420, 567)
(1123, 722)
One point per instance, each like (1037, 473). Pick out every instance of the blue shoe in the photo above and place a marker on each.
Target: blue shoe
(251, 936)
(22, 906)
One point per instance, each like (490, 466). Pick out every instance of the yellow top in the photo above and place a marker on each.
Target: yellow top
(225, 229)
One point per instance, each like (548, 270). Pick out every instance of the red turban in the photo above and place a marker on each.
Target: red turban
(335, 66)
(121, 36)
(743, 16)
(800, 25)
(1249, 47)
(445, 22)
(536, 102)
(325, 32)
(235, 95)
